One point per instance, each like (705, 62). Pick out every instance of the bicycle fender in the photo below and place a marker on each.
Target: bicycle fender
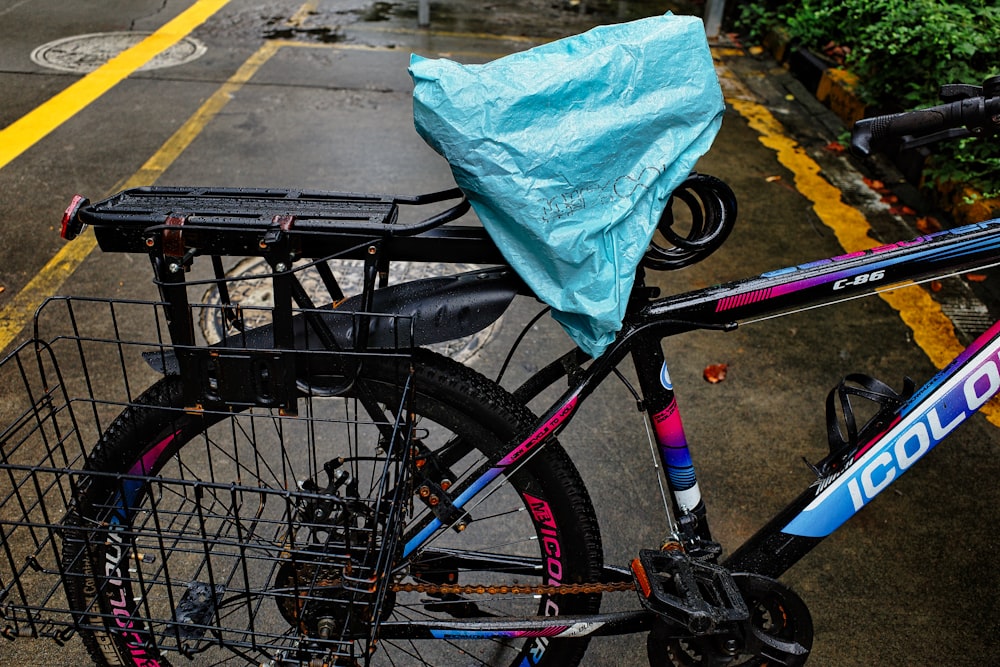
(412, 314)
(434, 310)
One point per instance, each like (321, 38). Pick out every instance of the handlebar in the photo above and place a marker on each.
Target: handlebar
(977, 114)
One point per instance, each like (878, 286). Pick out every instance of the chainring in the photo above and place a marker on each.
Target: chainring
(778, 632)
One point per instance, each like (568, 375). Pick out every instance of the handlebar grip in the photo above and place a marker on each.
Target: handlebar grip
(969, 112)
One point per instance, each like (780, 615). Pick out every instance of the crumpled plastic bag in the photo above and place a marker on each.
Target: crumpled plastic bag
(569, 151)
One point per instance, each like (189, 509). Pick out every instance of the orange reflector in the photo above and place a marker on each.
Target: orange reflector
(640, 576)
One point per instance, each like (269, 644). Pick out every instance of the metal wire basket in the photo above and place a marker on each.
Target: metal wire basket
(152, 521)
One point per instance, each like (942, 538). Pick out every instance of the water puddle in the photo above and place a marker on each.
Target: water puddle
(322, 34)
(377, 11)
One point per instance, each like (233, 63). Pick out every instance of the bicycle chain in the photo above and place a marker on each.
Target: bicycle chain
(516, 589)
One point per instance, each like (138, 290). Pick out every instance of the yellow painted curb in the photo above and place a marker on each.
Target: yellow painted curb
(932, 329)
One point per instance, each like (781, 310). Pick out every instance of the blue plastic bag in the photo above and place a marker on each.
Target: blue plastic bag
(569, 151)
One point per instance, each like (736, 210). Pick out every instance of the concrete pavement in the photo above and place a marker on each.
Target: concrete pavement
(276, 101)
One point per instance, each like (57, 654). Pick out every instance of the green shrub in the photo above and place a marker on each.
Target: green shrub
(902, 52)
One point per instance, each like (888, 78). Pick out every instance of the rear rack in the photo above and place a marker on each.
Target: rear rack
(301, 237)
(238, 221)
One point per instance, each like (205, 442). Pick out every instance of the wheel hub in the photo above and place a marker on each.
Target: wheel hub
(318, 602)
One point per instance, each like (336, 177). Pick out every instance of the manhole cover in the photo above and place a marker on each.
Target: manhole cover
(85, 53)
(250, 286)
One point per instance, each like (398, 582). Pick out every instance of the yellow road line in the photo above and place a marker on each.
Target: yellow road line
(28, 130)
(302, 15)
(932, 330)
(182, 138)
(16, 314)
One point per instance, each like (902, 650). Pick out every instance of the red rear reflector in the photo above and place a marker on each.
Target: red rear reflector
(71, 226)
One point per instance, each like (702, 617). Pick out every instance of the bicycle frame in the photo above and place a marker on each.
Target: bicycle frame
(921, 423)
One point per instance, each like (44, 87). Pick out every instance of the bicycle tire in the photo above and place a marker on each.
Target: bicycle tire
(478, 417)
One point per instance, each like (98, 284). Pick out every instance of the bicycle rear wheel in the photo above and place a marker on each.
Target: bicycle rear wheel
(221, 537)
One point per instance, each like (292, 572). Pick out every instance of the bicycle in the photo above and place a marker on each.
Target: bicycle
(217, 519)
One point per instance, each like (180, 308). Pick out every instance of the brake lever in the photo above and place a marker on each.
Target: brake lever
(910, 142)
(952, 92)
(861, 138)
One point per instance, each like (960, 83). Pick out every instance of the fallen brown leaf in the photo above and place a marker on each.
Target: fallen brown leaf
(928, 224)
(715, 373)
(877, 186)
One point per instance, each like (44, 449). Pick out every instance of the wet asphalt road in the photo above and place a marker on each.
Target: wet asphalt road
(325, 104)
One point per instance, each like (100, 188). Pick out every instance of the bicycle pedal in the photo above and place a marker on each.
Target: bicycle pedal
(696, 595)
(196, 609)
